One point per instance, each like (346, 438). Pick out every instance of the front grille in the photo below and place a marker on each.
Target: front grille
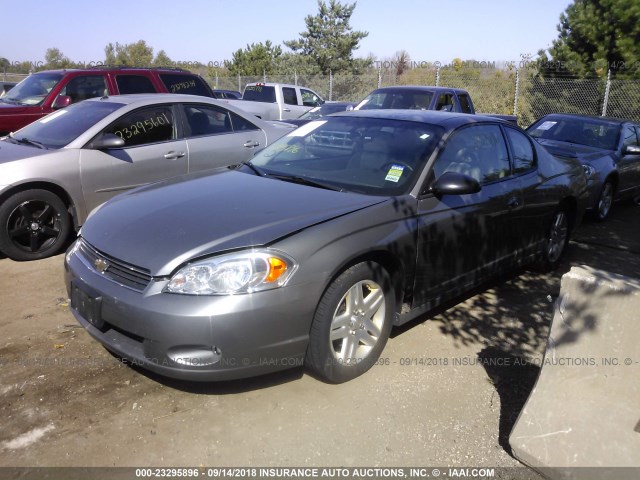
(120, 272)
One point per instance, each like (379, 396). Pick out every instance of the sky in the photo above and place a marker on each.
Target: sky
(209, 31)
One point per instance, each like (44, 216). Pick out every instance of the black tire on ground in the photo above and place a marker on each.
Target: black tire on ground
(351, 324)
(605, 201)
(556, 242)
(34, 224)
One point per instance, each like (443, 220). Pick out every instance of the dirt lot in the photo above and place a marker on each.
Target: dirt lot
(65, 401)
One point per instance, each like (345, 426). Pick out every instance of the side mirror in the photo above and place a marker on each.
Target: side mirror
(453, 183)
(61, 101)
(107, 141)
(631, 150)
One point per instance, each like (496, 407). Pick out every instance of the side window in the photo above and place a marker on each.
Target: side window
(206, 120)
(629, 136)
(465, 104)
(309, 99)
(478, 151)
(81, 88)
(147, 125)
(241, 124)
(289, 95)
(445, 102)
(523, 155)
(134, 84)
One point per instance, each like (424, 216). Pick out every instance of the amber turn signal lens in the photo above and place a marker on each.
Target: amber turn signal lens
(276, 268)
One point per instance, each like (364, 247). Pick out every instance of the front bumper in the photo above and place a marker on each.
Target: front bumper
(202, 338)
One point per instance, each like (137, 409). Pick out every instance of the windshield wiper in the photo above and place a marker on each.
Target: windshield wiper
(27, 141)
(304, 181)
(258, 171)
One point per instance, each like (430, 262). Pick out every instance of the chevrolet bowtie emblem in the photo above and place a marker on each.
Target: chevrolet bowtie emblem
(101, 265)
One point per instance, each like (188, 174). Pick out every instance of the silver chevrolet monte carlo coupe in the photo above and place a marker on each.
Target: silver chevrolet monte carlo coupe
(54, 171)
(321, 243)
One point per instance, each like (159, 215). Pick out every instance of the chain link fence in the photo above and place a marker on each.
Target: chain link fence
(505, 91)
(524, 93)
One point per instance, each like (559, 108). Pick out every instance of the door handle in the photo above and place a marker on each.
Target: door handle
(174, 155)
(251, 144)
(286, 109)
(513, 202)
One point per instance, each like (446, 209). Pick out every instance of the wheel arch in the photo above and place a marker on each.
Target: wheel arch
(570, 204)
(388, 261)
(57, 190)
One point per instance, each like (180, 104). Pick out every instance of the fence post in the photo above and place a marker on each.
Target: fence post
(264, 76)
(515, 96)
(438, 76)
(606, 94)
(295, 77)
(379, 76)
(217, 80)
(330, 85)
(239, 87)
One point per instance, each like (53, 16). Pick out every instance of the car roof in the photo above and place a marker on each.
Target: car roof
(99, 69)
(446, 119)
(587, 117)
(152, 98)
(422, 88)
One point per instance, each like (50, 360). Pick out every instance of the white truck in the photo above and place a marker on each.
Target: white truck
(277, 101)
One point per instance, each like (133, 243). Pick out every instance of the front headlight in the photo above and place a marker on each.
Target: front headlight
(243, 272)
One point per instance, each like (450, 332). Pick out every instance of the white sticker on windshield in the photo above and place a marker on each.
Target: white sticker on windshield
(424, 136)
(53, 116)
(308, 128)
(394, 173)
(546, 125)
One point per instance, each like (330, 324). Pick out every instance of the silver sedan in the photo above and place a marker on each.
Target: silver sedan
(54, 171)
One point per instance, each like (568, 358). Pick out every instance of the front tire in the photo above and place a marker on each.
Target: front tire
(351, 324)
(34, 224)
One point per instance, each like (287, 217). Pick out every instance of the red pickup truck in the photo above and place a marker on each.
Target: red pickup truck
(43, 92)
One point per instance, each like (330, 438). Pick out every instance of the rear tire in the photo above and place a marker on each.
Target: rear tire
(605, 201)
(556, 242)
(34, 224)
(351, 324)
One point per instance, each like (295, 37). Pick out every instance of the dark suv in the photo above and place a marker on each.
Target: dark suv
(43, 92)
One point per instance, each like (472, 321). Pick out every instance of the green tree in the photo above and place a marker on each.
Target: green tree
(256, 59)
(330, 40)
(595, 36)
(162, 60)
(55, 59)
(137, 54)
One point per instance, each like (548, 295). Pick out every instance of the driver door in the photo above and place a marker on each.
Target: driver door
(151, 152)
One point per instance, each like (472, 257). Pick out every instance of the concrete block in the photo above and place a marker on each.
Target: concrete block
(584, 410)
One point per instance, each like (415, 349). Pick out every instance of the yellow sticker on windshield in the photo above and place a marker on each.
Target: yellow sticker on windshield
(394, 173)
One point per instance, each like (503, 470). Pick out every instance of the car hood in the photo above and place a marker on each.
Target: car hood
(11, 152)
(164, 225)
(573, 150)
(11, 109)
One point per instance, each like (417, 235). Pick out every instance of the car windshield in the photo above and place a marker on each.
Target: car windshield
(583, 131)
(59, 128)
(374, 156)
(33, 89)
(400, 99)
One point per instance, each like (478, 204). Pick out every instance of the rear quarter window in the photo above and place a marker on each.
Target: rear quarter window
(189, 84)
